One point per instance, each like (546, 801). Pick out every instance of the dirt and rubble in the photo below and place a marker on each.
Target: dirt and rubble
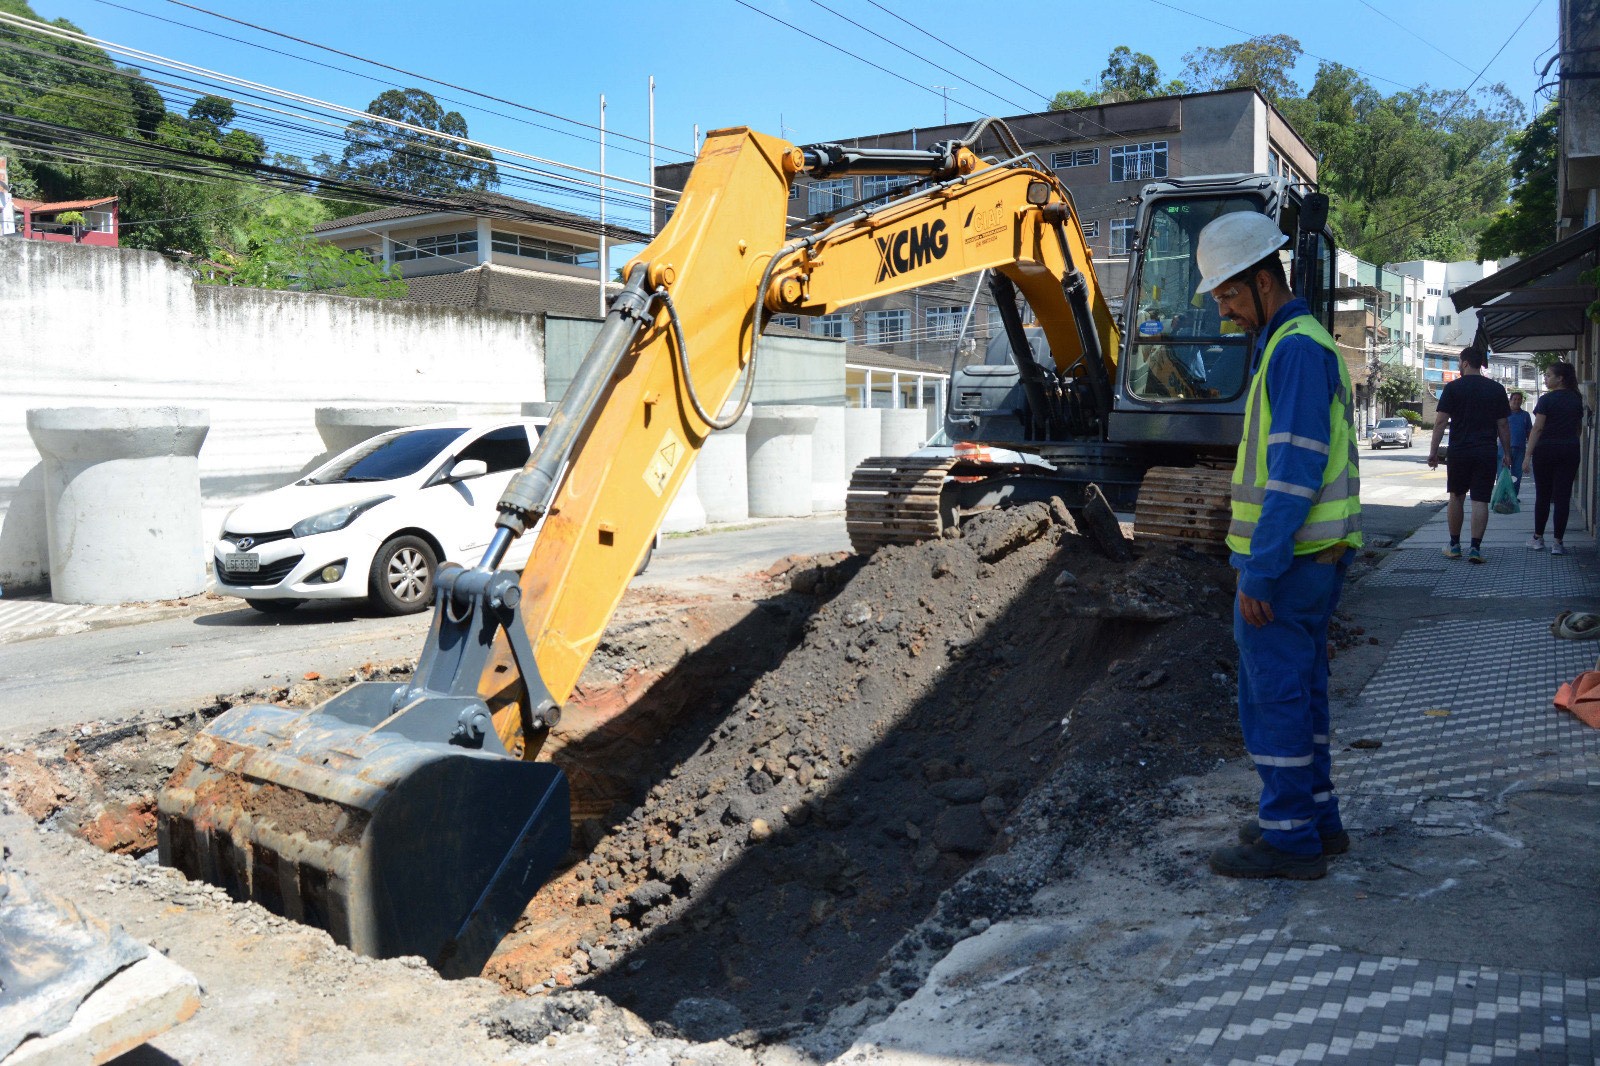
(793, 801)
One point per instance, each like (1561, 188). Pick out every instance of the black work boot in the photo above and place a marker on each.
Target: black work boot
(1263, 860)
(1336, 843)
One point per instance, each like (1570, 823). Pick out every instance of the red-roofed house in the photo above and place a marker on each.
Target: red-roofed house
(38, 221)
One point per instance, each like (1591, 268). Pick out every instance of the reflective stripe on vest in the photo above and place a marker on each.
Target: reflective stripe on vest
(1335, 515)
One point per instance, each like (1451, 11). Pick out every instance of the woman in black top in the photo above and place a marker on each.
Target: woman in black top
(1553, 452)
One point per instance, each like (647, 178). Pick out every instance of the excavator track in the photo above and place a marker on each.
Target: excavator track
(1185, 504)
(895, 500)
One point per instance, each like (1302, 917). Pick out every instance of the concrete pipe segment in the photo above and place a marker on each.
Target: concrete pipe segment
(723, 471)
(904, 430)
(829, 476)
(779, 450)
(687, 513)
(345, 427)
(122, 501)
(863, 435)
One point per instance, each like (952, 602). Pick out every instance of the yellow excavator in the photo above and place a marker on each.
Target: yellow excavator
(416, 818)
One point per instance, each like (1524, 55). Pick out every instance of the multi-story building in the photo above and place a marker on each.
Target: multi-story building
(492, 252)
(1104, 154)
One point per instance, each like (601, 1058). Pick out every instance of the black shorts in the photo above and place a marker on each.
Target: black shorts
(1472, 471)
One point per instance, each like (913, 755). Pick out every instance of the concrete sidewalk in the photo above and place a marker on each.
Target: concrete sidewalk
(1462, 927)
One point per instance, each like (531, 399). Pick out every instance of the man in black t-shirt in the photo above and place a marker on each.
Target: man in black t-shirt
(1476, 409)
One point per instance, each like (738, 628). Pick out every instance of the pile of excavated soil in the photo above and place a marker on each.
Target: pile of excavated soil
(791, 805)
(820, 818)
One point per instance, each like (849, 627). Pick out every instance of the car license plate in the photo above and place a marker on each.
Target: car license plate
(241, 562)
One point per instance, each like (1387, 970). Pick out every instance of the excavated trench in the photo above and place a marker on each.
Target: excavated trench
(792, 802)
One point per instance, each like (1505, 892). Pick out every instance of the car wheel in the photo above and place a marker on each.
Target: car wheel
(644, 563)
(401, 579)
(274, 606)
(1374, 445)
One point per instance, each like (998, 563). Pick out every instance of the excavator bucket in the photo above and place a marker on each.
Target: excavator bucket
(399, 832)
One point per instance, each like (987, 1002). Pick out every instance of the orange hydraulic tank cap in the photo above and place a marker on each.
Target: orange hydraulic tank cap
(971, 451)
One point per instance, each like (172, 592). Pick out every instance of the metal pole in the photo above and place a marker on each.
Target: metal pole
(652, 155)
(602, 205)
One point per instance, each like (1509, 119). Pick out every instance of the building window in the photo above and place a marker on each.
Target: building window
(1430, 320)
(825, 196)
(538, 248)
(1130, 162)
(882, 184)
(97, 221)
(1091, 229)
(369, 253)
(444, 244)
(943, 322)
(888, 327)
(1082, 157)
(794, 192)
(792, 321)
(1435, 292)
(835, 326)
(1444, 320)
(1121, 236)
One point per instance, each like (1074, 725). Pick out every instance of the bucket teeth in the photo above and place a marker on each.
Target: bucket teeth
(394, 846)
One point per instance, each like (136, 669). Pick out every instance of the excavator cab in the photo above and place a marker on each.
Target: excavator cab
(1183, 369)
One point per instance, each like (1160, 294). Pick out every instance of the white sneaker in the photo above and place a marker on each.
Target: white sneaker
(1536, 544)
(1558, 548)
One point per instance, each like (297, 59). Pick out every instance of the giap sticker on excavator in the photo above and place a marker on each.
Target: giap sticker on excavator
(668, 454)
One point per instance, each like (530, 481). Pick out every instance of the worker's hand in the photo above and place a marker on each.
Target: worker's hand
(1506, 459)
(1257, 612)
(1527, 465)
(1433, 460)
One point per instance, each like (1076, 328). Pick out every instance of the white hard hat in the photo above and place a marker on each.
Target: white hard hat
(1234, 243)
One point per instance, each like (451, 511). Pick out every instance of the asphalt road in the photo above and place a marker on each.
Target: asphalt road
(177, 663)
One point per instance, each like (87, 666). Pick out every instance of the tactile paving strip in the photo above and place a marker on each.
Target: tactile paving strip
(1493, 679)
(1508, 572)
(1262, 998)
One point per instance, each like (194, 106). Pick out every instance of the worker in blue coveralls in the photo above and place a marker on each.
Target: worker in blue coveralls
(1296, 518)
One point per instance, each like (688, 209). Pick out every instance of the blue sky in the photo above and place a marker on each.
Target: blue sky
(727, 62)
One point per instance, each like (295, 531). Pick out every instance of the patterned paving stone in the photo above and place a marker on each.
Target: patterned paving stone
(1264, 998)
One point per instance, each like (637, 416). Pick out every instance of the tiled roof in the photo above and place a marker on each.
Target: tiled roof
(492, 205)
(495, 288)
(62, 205)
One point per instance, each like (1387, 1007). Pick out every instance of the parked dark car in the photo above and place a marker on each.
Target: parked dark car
(1391, 432)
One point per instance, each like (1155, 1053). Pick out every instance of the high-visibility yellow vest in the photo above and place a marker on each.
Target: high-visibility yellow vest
(1335, 515)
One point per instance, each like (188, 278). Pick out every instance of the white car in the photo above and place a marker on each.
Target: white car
(377, 520)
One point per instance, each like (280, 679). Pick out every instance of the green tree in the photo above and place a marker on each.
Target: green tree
(1412, 175)
(272, 247)
(1397, 385)
(1528, 223)
(1128, 75)
(379, 154)
(1265, 62)
(71, 94)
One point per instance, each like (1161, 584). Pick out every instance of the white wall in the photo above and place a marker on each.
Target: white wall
(82, 326)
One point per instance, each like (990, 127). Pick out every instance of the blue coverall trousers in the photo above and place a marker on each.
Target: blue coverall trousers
(1283, 706)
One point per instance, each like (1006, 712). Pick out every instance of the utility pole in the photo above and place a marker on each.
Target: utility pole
(603, 205)
(945, 91)
(652, 155)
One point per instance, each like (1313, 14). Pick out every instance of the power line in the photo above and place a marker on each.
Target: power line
(355, 73)
(413, 74)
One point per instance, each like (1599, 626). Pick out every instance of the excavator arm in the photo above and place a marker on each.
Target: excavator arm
(415, 818)
(632, 424)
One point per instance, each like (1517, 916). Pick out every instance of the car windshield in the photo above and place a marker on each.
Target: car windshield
(387, 457)
(1392, 423)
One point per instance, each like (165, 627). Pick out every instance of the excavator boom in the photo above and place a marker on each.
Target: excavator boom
(416, 818)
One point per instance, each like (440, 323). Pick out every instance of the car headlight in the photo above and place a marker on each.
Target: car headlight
(338, 518)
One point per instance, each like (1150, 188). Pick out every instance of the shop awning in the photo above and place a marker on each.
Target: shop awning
(1537, 304)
